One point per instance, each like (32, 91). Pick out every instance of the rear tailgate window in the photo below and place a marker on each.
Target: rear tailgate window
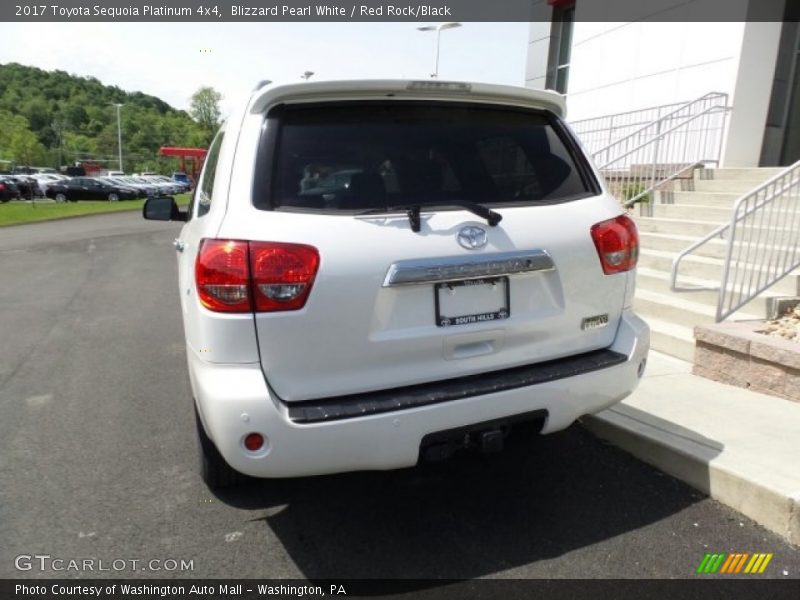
(369, 156)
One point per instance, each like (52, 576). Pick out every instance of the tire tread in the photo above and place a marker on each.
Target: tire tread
(215, 472)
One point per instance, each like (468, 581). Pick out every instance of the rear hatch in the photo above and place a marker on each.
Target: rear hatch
(414, 284)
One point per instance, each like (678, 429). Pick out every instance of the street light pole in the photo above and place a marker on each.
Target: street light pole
(58, 127)
(119, 135)
(438, 29)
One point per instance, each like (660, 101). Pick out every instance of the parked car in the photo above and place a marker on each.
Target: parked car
(27, 187)
(45, 179)
(182, 179)
(8, 189)
(142, 191)
(89, 188)
(180, 186)
(164, 184)
(463, 269)
(176, 187)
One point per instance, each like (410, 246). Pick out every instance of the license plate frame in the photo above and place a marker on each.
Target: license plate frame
(502, 313)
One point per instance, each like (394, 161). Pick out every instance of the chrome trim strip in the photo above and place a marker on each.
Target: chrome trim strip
(432, 270)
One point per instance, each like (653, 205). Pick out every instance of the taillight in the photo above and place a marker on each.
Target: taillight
(617, 243)
(222, 275)
(282, 274)
(241, 276)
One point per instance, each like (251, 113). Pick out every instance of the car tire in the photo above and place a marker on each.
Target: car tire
(112, 197)
(60, 198)
(215, 472)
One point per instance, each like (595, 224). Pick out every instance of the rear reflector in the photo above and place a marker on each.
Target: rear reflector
(242, 276)
(253, 441)
(617, 243)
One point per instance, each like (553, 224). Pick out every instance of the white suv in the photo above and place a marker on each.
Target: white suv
(377, 271)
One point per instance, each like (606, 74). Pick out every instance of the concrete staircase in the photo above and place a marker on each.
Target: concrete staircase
(705, 203)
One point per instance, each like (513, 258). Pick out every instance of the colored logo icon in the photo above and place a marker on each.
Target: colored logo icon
(734, 563)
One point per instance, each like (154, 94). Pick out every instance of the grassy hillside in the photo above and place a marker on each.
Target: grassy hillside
(50, 115)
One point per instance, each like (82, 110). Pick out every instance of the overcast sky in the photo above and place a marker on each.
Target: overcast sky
(172, 60)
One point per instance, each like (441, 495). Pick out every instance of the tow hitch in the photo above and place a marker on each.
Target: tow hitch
(488, 437)
(492, 441)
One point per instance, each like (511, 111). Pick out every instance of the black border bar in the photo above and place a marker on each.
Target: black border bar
(374, 11)
(731, 588)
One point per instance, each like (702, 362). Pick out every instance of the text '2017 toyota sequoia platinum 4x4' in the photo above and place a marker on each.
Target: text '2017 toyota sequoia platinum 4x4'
(375, 271)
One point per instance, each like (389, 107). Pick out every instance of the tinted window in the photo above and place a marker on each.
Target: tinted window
(203, 194)
(356, 157)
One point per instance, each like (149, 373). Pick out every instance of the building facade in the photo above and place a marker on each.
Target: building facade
(661, 57)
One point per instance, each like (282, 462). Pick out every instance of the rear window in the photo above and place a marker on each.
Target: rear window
(373, 156)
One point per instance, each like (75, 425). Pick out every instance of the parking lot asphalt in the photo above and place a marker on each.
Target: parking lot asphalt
(98, 458)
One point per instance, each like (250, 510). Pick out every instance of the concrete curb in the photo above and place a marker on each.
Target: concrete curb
(693, 459)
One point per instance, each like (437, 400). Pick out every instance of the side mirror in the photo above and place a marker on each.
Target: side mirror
(163, 208)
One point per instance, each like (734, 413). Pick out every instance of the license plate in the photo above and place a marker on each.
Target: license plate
(471, 301)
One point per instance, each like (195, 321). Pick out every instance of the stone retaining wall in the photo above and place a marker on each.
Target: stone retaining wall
(734, 353)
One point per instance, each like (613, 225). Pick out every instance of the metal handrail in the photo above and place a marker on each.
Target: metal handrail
(690, 167)
(597, 133)
(665, 156)
(760, 247)
(622, 120)
(631, 112)
(658, 123)
(659, 136)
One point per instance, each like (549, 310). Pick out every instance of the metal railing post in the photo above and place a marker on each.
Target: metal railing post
(765, 238)
(722, 131)
(611, 130)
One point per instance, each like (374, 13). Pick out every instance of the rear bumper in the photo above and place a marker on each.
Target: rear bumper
(233, 400)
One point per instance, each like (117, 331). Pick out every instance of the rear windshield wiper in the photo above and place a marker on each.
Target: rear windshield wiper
(413, 210)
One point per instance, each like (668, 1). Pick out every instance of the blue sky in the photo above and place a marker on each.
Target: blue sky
(171, 60)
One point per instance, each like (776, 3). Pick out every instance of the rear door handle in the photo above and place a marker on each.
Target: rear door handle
(179, 245)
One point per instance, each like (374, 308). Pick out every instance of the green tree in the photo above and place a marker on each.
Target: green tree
(73, 117)
(204, 108)
(37, 113)
(18, 142)
(77, 144)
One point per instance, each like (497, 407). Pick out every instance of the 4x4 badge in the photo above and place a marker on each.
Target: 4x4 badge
(472, 237)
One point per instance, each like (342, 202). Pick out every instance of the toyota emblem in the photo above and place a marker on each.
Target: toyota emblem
(472, 237)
